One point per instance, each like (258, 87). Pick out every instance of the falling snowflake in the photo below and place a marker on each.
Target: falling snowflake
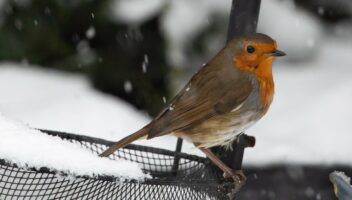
(128, 86)
(321, 11)
(90, 33)
(145, 63)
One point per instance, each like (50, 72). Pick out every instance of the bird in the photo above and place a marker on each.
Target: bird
(223, 99)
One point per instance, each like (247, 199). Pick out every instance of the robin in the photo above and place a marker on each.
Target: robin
(223, 99)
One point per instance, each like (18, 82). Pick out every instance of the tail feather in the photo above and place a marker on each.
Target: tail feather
(125, 141)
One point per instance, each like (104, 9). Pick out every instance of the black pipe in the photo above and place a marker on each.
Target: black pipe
(243, 18)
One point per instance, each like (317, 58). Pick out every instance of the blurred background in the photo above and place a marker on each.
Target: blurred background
(105, 68)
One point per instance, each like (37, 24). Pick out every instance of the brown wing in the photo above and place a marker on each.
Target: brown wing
(216, 89)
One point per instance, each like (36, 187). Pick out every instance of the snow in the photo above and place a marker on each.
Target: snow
(184, 19)
(145, 63)
(135, 11)
(50, 99)
(30, 148)
(90, 33)
(294, 29)
(54, 100)
(85, 54)
(127, 86)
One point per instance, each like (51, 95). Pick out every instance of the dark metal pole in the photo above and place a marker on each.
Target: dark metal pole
(243, 17)
(243, 20)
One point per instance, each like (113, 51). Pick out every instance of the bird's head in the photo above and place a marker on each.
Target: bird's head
(254, 53)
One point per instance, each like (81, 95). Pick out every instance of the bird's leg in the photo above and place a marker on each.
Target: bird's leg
(238, 176)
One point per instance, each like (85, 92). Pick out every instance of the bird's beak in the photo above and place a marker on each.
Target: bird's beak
(277, 53)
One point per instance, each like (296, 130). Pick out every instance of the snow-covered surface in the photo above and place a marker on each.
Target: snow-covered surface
(30, 148)
(50, 99)
(65, 102)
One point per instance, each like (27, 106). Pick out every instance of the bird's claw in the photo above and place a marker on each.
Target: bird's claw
(239, 179)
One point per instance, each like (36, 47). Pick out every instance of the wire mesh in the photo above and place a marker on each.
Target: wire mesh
(193, 178)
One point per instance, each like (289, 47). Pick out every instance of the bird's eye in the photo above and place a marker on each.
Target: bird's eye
(250, 49)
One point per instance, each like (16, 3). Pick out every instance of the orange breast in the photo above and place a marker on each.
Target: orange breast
(266, 82)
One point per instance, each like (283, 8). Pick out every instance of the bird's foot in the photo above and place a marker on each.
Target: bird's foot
(239, 179)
